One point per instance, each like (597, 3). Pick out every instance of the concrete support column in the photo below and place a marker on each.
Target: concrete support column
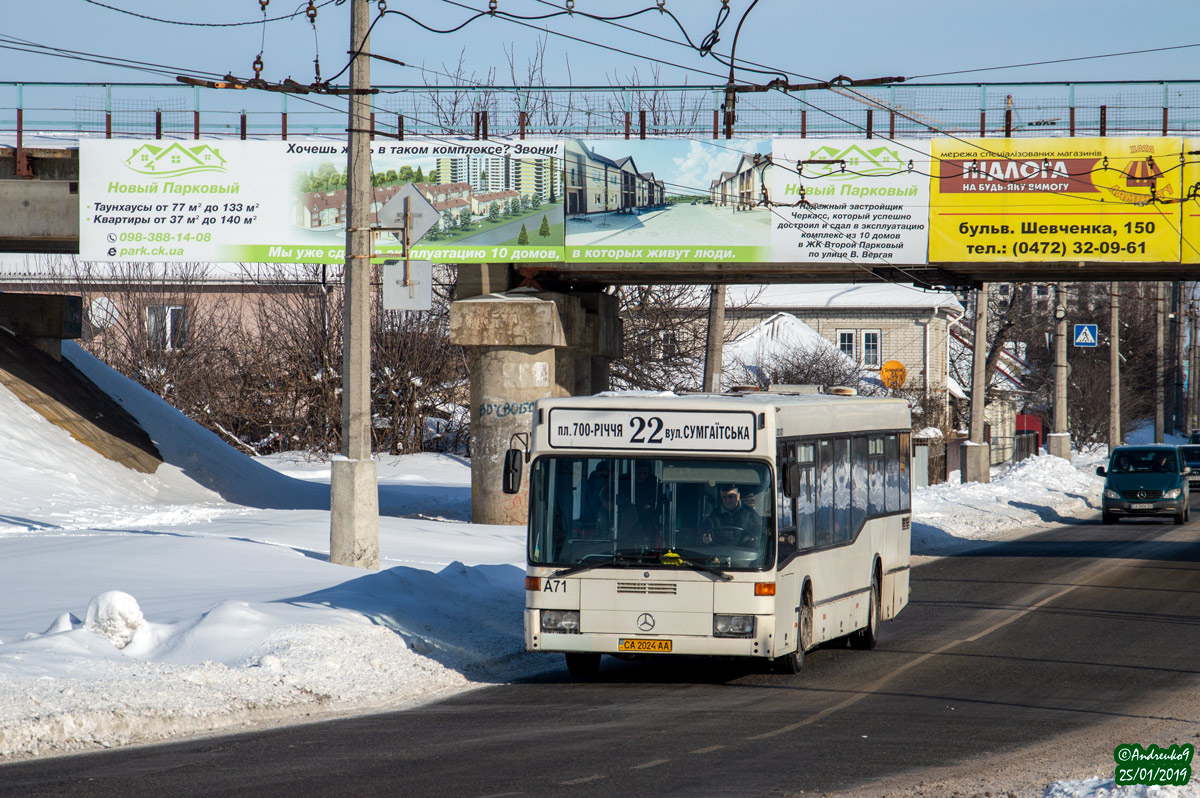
(505, 382)
(977, 462)
(476, 279)
(524, 346)
(1059, 442)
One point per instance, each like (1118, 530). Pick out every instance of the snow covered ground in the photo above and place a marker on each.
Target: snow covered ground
(199, 599)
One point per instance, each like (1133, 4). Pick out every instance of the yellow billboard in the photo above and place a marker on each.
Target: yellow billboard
(1053, 200)
(1190, 224)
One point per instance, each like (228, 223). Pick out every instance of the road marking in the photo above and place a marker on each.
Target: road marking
(584, 780)
(854, 699)
(708, 750)
(650, 764)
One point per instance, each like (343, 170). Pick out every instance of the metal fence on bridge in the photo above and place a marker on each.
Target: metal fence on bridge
(62, 112)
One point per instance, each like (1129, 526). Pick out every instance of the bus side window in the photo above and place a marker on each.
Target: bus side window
(858, 483)
(785, 462)
(905, 463)
(893, 473)
(841, 490)
(824, 493)
(875, 469)
(806, 499)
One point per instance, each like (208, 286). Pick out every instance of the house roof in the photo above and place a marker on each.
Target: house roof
(778, 335)
(495, 195)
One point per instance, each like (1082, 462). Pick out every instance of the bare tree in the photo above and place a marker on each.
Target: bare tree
(818, 364)
(418, 379)
(664, 329)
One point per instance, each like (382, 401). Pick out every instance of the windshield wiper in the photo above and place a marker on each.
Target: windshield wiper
(685, 559)
(613, 559)
(692, 561)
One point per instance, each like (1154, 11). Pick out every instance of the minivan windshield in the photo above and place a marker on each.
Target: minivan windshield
(1131, 461)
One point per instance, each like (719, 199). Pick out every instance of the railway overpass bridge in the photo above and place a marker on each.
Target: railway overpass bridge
(537, 329)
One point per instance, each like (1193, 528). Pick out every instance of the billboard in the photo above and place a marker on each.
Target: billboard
(1190, 223)
(1077, 199)
(868, 201)
(285, 202)
(864, 201)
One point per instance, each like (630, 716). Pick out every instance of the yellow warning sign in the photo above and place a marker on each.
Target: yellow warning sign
(893, 374)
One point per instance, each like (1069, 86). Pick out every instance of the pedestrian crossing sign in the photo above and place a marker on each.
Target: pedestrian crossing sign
(1086, 335)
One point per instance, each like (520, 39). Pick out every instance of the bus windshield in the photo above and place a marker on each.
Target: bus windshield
(634, 512)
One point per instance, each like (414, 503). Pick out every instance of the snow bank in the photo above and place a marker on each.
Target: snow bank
(1100, 787)
(1039, 490)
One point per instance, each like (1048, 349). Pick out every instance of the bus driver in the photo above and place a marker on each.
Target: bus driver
(732, 523)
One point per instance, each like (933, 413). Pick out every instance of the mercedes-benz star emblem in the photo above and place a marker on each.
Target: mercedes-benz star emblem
(1141, 494)
(645, 622)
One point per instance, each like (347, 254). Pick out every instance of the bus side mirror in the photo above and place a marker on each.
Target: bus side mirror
(791, 480)
(513, 459)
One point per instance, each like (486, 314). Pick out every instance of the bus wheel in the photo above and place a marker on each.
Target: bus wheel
(583, 666)
(867, 637)
(794, 662)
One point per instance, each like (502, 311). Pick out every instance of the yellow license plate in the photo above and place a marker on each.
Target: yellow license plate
(636, 644)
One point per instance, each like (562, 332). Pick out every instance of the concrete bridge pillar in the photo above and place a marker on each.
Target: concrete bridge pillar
(522, 346)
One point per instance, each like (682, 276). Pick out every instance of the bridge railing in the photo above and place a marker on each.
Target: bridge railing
(47, 113)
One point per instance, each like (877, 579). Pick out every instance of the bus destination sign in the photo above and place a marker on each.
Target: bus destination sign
(653, 430)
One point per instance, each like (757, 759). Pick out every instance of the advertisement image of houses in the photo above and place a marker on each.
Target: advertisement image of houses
(596, 183)
(474, 195)
(666, 192)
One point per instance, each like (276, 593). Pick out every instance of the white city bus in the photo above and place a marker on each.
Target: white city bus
(755, 524)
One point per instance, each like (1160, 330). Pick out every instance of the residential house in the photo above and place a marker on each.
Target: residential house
(871, 323)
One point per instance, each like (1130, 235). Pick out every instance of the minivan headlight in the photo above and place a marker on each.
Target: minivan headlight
(1109, 493)
(560, 621)
(1173, 493)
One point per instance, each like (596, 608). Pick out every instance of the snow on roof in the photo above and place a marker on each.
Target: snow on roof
(775, 337)
(845, 295)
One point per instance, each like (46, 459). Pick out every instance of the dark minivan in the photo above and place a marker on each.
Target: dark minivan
(1191, 459)
(1145, 480)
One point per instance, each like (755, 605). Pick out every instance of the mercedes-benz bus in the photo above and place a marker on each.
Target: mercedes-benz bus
(752, 524)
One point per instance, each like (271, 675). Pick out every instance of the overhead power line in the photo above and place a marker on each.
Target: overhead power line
(293, 15)
(1056, 61)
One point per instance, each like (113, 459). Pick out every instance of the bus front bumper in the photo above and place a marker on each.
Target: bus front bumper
(639, 643)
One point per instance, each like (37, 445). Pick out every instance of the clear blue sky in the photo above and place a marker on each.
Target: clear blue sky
(859, 39)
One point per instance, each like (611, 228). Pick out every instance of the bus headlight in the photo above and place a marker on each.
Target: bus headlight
(1173, 493)
(560, 621)
(733, 626)
(1109, 493)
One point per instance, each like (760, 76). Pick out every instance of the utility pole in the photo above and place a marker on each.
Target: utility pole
(1159, 409)
(977, 464)
(714, 344)
(1180, 425)
(1114, 367)
(354, 486)
(1060, 439)
(1193, 366)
